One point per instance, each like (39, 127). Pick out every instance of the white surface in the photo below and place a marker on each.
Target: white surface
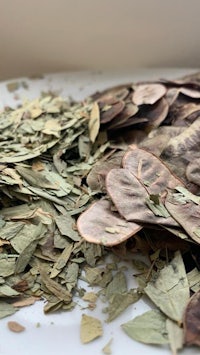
(60, 333)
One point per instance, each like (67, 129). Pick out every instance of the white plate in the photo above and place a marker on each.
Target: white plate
(60, 333)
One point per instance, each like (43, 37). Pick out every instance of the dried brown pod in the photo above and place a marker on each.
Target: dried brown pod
(148, 94)
(129, 110)
(191, 322)
(150, 170)
(130, 198)
(110, 110)
(100, 225)
(193, 171)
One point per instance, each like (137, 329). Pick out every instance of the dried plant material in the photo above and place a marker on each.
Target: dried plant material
(118, 121)
(90, 297)
(107, 348)
(57, 290)
(168, 287)
(25, 302)
(118, 302)
(91, 328)
(185, 141)
(150, 170)
(149, 328)
(129, 196)
(148, 94)
(15, 327)
(191, 321)
(6, 309)
(193, 171)
(194, 279)
(186, 212)
(113, 110)
(94, 122)
(93, 224)
(194, 94)
(96, 177)
(175, 335)
(13, 86)
(71, 171)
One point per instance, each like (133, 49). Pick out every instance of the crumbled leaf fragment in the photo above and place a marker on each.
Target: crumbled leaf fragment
(91, 328)
(15, 327)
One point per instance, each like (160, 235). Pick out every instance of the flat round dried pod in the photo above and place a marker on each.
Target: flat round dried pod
(157, 113)
(100, 225)
(132, 121)
(194, 94)
(150, 170)
(148, 94)
(128, 111)
(130, 199)
(113, 91)
(189, 111)
(111, 111)
(191, 323)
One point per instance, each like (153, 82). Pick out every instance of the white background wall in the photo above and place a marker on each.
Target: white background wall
(54, 35)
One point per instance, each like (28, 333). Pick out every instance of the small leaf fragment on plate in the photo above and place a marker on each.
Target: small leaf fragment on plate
(107, 348)
(91, 328)
(148, 328)
(15, 327)
(192, 321)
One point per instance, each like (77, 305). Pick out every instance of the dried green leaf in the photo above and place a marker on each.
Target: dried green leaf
(61, 261)
(6, 309)
(169, 286)
(118, 302)
(117, 285)
(186, 214)
(148, 328)
(55, 288)
(194, 279)
(175, 335)
(65, 224)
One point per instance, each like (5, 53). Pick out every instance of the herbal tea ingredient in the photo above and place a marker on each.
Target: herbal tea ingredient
(111, 177)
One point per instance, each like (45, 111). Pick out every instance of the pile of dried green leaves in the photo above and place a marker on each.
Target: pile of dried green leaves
(118, 173)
